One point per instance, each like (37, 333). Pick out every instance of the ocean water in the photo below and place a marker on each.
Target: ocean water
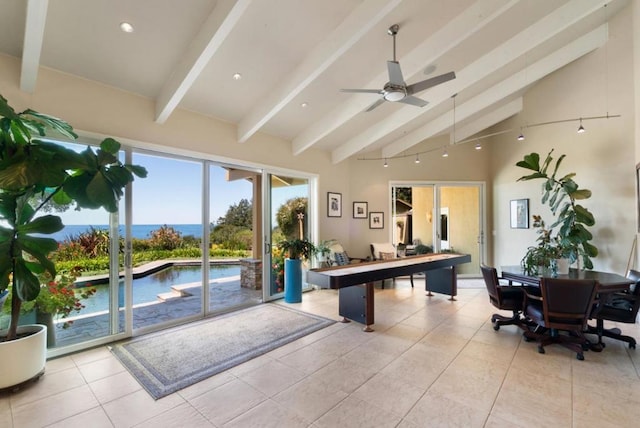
(140, 231)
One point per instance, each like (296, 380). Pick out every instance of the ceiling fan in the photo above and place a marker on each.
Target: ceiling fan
(396, 90)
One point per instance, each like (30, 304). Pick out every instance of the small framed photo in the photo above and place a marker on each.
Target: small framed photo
(520, 213)
(334, 204)
(376, 220)
(360, 210)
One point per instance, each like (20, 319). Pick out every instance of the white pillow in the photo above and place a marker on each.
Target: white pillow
(385, 247)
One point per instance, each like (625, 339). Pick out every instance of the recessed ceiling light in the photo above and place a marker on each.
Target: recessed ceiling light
(237, 76)
(126, 27)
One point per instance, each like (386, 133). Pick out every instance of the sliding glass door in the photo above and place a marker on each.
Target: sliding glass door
(166, 238)
(289, 218)
(235, 214)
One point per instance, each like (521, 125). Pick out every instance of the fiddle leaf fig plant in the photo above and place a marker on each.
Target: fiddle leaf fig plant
(561, 193)
(36, 172)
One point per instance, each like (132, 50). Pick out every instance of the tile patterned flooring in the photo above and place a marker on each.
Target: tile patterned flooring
(430, 363)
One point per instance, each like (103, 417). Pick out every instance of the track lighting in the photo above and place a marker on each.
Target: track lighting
(385, 164)
(478, 146)
(417, 159)
(445, 154)
(580, 128)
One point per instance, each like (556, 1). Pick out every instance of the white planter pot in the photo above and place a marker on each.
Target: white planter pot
(24, 358)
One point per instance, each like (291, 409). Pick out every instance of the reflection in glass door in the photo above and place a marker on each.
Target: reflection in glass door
(289, 219)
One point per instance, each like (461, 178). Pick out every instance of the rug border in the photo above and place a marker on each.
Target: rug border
(151, 380)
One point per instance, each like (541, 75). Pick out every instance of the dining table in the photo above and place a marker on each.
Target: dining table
(608, 283)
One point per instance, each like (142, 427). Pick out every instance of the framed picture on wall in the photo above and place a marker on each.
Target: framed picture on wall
(360, 210)
(376, 220)
(334, 204)
(520, 214)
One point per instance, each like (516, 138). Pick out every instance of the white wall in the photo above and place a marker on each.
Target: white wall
(370, 182)
(603, 158)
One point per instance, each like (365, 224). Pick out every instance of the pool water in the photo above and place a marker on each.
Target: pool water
(147, 288)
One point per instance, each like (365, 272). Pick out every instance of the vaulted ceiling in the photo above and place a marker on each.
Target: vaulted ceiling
(294, 56)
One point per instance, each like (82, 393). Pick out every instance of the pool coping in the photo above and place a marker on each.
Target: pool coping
(148, 269)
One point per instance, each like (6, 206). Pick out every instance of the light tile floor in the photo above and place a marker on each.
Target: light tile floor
(431, 362)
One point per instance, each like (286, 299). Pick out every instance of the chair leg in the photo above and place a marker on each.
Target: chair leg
(614, 333)
(411, 278)
(499, 320)
(576, 343)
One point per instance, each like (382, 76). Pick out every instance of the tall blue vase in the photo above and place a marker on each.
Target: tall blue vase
(292, 280)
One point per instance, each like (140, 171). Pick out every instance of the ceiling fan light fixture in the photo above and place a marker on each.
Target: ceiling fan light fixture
(394, 95)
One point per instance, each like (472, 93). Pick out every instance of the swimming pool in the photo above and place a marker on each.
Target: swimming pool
(147, 288)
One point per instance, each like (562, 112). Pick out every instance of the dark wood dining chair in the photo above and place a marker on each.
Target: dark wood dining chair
(564, 305)
(504, 297)
(619, 307)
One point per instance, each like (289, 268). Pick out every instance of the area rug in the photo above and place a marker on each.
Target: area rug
(173, 359)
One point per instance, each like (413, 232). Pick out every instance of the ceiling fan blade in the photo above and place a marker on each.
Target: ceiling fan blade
(429, 83)
(376, 104)
(395, 73)
(414, 101)
(362, 91)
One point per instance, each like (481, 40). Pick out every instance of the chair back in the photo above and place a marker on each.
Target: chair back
(634, 275)
(567, 303)
(490, 275)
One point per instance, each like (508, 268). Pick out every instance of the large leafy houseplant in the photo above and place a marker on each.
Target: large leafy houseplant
(569, 232)
(35, 172)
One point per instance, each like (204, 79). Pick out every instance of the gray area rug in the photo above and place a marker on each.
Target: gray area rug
(170, 360)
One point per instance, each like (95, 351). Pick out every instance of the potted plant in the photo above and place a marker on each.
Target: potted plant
(296, 250)
(35, 173)
(322, 251)
(57, 300)
(561, 193)
(541, 258)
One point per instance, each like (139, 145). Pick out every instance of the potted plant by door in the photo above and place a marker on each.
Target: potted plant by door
(35, 173)
(297, 250)
(562, 194)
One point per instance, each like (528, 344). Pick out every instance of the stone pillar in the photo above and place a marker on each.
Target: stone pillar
(251, 274)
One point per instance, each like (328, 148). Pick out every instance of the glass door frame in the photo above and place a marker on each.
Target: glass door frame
(266, 244)
(437, 232)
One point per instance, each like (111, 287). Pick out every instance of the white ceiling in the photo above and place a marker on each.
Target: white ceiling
(183, 54)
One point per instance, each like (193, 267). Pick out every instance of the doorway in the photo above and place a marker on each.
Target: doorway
(445, 217)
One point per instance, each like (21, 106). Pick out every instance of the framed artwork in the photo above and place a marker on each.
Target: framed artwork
(520, 213)
(334, 204)
(376, 220)
(360, 210)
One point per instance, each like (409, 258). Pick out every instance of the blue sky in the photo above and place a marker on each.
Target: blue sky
(172, 194)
